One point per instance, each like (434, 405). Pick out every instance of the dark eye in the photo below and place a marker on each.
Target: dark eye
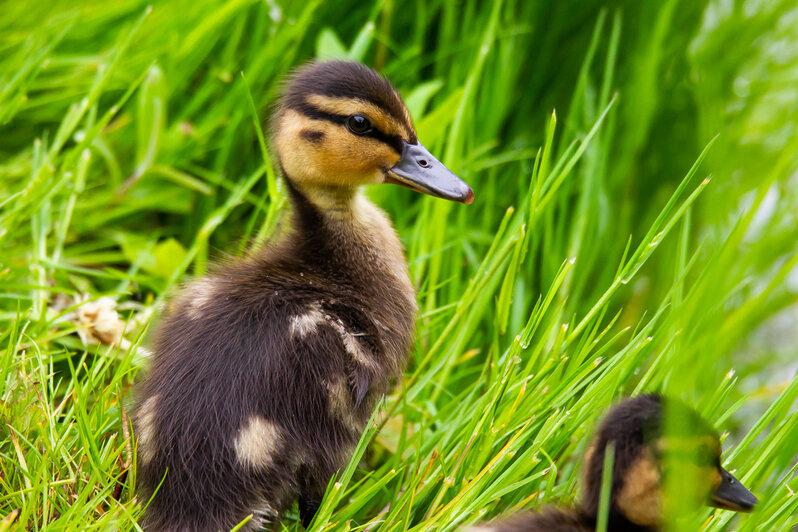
(358, 124)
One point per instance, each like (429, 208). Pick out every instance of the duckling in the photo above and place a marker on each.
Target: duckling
(635, 428)
(265, 372)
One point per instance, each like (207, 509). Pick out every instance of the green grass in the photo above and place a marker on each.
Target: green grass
(598, 259)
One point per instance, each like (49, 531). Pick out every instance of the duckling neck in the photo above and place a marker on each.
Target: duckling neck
(329, 201)
(346, 234)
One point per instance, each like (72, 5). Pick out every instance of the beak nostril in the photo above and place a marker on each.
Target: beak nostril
(423, 163)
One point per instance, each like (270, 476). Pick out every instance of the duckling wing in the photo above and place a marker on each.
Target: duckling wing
(349, 348)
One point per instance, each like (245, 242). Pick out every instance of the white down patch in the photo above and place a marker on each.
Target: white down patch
(256, 442)
(199, 294)
(350, 341)
(304, 324)
(146, 429)
(340, 402)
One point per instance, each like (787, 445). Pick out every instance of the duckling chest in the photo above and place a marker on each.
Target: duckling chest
(374, 264)
(382, 255)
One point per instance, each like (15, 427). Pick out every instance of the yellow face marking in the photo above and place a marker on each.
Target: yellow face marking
(640, 498)
(352, 106)
(691, 463)
(588, 459)
(715, 479)
(712, 474)
(338, 159)
(257, 442)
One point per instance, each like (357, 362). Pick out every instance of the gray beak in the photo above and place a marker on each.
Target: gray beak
(417, 169)
(732, 495)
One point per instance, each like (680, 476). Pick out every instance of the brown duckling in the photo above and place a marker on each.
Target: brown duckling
(635, 429)
(265, 372)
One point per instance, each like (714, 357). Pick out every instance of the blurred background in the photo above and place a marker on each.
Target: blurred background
(130, 157)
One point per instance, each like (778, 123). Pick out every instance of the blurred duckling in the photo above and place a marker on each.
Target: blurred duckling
(635, 429)
(266, 371)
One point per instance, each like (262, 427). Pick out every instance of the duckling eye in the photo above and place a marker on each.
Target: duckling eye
(358, 124)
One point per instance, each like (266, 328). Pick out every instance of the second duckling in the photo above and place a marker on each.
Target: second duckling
(635, 430)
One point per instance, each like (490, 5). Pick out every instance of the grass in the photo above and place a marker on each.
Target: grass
(598, 259)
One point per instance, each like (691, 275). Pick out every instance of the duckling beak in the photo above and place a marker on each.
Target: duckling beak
(417, 169)
(732, 495)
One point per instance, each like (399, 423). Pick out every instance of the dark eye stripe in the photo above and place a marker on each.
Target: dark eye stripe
(394, 141)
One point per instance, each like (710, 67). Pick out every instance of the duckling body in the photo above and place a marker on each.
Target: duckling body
(635, 431)
(266, 371)
(269, 369)
(556, 520)
(550, 520)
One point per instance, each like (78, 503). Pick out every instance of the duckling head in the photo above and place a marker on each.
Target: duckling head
(641, 449)
(340, 125)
